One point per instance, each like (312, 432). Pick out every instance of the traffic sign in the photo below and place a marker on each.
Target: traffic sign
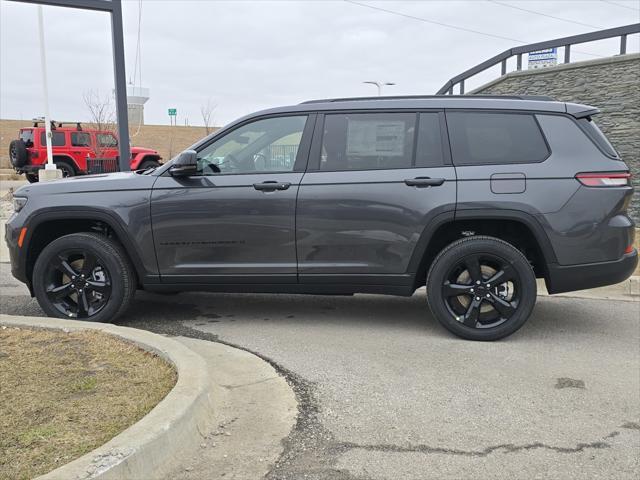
(173, 112)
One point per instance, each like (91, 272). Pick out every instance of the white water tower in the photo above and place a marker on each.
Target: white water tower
(136, 98)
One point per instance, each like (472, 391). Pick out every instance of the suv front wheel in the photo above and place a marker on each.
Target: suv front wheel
(84, 276)
(481, 288)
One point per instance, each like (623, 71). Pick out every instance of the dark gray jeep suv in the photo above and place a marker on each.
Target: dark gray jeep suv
(473, 197)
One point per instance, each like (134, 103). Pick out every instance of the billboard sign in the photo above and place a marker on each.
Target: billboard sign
(543, 58)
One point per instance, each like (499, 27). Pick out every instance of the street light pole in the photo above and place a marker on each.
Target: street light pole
(378, 84)
(45, 90)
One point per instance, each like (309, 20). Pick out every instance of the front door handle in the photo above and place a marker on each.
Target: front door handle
(270, 186)
(424, 182)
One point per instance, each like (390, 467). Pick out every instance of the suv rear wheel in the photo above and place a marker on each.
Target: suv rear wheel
(83, 276)
(481, 288)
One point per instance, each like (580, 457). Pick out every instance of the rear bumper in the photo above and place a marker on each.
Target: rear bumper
(590, 275)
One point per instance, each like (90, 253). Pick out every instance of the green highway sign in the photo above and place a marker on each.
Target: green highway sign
(173, 112)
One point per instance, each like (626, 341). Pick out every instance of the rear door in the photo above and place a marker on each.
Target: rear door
(375, 180)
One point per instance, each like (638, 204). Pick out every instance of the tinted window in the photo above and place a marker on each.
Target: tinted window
(106, 140)
(367, 141)
(268, 145)
(592, 130)
(80, 139)
(57, 139)
(489, 138)
(429, 150)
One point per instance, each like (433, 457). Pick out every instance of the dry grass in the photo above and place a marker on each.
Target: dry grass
(64, 394)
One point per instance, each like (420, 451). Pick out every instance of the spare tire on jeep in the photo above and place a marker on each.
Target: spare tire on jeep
(18, 153)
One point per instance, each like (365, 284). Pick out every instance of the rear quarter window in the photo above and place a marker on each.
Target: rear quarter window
(595, 134)
(489, 138)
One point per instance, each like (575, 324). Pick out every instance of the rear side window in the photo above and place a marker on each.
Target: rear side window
(57, 139)
(80, 139)
(429, 148)
(367, 141)
(595, 134)
(481, 138)
(106, 140)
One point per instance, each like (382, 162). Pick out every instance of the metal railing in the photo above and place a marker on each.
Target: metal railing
(566, 42)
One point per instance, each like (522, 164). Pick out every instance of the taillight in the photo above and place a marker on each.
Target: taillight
(604, 179)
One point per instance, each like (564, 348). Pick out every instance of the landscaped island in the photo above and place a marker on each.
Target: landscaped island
(64, 394)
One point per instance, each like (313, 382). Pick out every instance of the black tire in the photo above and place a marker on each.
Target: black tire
(463, 298)
(18, 153)
(31, 177)
(62, 278)
(148, 164)
(67, 168)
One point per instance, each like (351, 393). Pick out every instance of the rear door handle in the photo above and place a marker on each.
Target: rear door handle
(424, 182)
(270, 186)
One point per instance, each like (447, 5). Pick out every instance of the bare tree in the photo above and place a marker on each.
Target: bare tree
(207, 111)
(101, 113)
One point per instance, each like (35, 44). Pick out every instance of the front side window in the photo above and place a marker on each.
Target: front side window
(80, 139)
(480, 138)
(367, 141)
(267, 145)
(57, 139)
(106, 140)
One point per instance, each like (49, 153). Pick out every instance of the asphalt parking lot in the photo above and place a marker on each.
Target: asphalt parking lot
(386, 393)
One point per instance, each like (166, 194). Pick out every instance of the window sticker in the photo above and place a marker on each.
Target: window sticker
(369, 138)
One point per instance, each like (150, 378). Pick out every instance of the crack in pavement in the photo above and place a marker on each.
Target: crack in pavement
(506, 447)
(250, 384)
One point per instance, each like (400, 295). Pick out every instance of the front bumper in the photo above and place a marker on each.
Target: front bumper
(17, 255)
(569, 278)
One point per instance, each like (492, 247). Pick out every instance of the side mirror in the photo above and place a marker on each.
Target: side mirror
(185, 164)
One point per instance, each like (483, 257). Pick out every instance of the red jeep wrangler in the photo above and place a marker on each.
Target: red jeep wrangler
(76, 151)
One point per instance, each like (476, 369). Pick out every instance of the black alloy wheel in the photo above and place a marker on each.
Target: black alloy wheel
(481, 288)
(481, 291)
(77, 283)
(84, 276)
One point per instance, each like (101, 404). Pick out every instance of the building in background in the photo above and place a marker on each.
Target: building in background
(136, 98)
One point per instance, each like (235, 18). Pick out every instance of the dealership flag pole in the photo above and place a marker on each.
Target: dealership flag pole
(45, 89)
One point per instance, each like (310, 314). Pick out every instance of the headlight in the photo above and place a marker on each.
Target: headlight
(19, 203)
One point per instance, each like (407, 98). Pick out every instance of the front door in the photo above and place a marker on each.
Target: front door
(234, 222)
(375, 181)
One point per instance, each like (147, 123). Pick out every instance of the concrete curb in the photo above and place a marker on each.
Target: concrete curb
(149, 448)
(629, 290)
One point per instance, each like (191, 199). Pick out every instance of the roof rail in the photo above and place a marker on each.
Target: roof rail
(420, 97)
(56, 124)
